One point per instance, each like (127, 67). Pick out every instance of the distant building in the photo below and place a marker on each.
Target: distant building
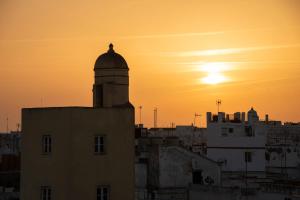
(283, 150)
(166, 170)
(191, 137)
(82, 152)
(240, 145)
(10, 143)
(10, 165)
(237, 143)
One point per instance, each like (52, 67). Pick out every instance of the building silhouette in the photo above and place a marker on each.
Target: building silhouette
(82, 152)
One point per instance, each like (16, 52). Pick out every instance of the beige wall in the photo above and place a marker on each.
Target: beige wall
(72, 169)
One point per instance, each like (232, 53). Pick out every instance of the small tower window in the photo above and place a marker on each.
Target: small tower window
(47, 144)
(98, 95)
(100, 144)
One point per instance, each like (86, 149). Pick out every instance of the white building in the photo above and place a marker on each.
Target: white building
(283, 150)
(166, 170)
(237, 143)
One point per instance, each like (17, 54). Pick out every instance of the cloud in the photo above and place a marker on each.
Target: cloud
(209, 33)
(226, 51)
(168, 35)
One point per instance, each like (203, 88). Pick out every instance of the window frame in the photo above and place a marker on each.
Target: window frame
(224, 131)
(48, 190)
(102, 187)
(47, 142)
(100, 148)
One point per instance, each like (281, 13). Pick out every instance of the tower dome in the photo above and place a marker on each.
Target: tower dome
(111, 86)
(252, 116)
(110, 60)
(252, 111)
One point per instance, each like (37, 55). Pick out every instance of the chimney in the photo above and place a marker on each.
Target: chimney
(208, 117)
(267, 118)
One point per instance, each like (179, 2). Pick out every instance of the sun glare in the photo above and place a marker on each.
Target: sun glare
(214, 79)
(214, 72)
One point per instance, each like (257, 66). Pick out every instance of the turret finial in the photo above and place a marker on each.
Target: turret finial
(111, 48)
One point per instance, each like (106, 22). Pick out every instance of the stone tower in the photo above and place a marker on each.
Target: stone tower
(111, 80)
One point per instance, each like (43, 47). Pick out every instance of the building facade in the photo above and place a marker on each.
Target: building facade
(82, 152)
(237, 143)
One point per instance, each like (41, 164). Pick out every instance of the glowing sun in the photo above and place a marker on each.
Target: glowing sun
(214, 72)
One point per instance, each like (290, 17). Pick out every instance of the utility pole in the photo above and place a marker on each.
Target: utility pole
(247, 159)
(140, 107)
(155, 118)
(7, 124)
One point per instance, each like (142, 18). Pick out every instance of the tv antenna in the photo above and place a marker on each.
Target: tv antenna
(7, 124)
(18, 127)
(218, 102)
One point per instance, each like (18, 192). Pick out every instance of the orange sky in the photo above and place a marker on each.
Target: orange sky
(48, 49)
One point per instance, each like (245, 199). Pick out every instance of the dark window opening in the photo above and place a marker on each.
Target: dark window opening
(46, 193)
(197, 177)
(248, 131)
(47, 144)
(99, 95)
(248, 156)
(100, 145)
(102, 193)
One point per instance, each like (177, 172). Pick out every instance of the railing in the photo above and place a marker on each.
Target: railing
(281, 188)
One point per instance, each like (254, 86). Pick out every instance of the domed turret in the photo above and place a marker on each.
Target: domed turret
(252, 116)
(110, 59)
(111, 80)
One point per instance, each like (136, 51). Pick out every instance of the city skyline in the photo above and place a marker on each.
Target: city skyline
(244, 53)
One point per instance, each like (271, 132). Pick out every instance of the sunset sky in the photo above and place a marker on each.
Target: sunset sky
(182, 55)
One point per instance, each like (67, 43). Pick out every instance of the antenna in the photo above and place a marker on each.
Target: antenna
(218, 102)
(155, 118)
(18, 127)
(140, 107)
(172, 125)
(7, 124)
(197, 115)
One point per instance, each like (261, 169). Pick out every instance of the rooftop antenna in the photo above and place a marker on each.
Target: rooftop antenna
(140, 107)
(18, 127)
(155, 118)
(197, 115)
(7, 124)
(218, 102)
(172, 125)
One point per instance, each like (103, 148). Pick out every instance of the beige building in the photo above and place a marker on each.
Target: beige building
(82, 153)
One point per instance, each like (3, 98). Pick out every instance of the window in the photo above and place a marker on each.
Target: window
(99, 95)
(100, 146)
(197, 177)
(248, 156)
(45, 193)
(47, 144)
(102, 193)
(249, 131)
(224, 132)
